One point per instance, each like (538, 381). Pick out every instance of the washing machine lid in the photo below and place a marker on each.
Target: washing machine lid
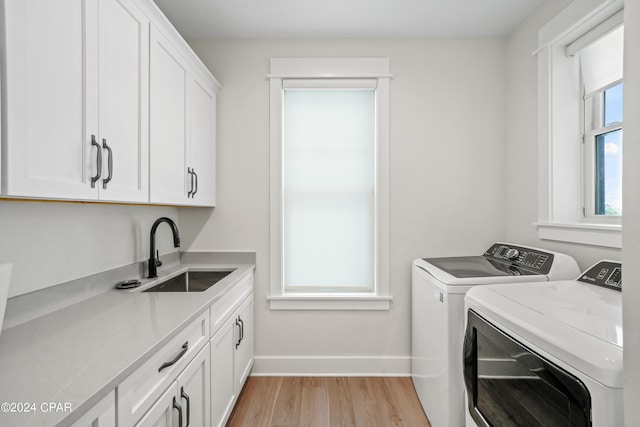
(476, 266)
(501, 263)
(475, 270)
(577, 323)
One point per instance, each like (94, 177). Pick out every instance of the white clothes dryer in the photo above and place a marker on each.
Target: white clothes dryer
(546, 354)
(438, 316)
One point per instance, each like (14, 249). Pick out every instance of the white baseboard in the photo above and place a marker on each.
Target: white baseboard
(391, 366)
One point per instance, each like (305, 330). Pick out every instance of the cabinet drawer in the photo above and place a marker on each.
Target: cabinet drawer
(222, 309)
(103, 414)
(143, 387)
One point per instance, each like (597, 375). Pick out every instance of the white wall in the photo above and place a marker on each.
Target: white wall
(631, 219)
(447, 177)
(521, 143)
(50, 243)
(522, 140)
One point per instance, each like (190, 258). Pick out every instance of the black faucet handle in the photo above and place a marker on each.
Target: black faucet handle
(158, 262)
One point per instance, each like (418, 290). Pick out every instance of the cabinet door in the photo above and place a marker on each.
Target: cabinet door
(222, 374)
(124, 99)
(203, 142)
(194, 391)
(46, 153)
(244, 350)
(164, 412)
(168, 122)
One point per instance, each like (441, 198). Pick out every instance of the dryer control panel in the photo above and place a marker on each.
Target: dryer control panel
(607, 274)
(527, 258)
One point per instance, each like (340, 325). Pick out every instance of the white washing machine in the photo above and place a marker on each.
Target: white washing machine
(438, 316)
(546, 354)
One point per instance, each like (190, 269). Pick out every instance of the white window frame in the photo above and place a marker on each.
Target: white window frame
(590, 135)
(561, 195)
(339, 69)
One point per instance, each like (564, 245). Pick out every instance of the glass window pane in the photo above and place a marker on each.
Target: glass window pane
(609, 173)
(613, 105)
(329, 182)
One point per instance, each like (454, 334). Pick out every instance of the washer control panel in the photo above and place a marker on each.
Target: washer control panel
(528, 258)
(604, 273)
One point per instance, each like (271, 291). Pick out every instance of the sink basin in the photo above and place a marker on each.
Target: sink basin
(191, 281)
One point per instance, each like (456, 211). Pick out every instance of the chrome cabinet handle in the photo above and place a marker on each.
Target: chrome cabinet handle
(172, 362)
(177, 406)
(185, 396)
(94, 179)
(196, 187)
(190, 192)
(110, 163)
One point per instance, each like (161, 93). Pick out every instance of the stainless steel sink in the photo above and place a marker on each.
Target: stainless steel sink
(191, 281)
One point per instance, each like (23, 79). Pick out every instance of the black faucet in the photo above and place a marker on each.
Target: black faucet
(154, 261)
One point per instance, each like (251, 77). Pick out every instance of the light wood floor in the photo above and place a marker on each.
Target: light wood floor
(328, 401)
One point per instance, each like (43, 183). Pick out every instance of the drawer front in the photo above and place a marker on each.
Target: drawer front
(103, 414)
(222, 309)
(141, 389)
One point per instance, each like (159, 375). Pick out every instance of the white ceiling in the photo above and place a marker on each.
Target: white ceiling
(197, 19)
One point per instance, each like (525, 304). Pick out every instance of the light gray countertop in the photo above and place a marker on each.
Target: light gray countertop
(78, 354)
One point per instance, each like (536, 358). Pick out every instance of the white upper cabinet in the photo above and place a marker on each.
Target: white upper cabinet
(104, 101)
(168, 122)
(203, 143)
(123, 76)
(77, 100)
(44, 149)
(182, 128)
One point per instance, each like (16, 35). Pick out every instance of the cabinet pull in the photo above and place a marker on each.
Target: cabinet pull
(185, 396)
(177, 406)
(193, 171)
(94, 179)
(190, 182)
(110, 163)
(172, 362)
(241, 328)
(239, 332)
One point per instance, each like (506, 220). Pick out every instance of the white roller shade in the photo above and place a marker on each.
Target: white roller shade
(329, 188)
(331, 84)
(601, 62)
(605, 27)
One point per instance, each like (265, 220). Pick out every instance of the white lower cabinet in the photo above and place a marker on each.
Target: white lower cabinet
(186, 401)
(222, 373)
(243, 360)
(194, 391)
(163, 412)
(195, 379)
(231, 361)
(103, 414)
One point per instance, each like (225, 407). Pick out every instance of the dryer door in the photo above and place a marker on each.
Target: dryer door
(510, 385)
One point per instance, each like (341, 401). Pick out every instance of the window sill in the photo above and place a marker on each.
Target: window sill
(607, 235)
(329, 302)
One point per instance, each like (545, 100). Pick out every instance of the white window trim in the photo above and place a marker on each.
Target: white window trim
(589, 145)
(557, 220)
(330, 68)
